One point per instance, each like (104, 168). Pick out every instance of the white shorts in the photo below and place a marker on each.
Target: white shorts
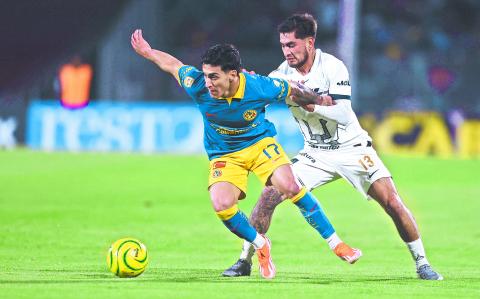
(359, 165)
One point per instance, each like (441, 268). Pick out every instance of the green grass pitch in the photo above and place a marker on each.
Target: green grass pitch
(59, 212)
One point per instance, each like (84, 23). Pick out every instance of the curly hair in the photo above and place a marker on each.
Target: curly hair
(224, 55)
(304, 25)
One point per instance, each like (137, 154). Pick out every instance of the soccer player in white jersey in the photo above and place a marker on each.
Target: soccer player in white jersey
(335, 147)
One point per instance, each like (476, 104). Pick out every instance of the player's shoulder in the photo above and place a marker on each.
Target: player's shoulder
(330, 61)
(253, 82)
(260, 81)
(188, 70)
(282, 72)
(190, 77)
(264, 87)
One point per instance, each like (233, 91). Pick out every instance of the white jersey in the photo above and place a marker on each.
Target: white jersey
(335, 144)
(327, 127)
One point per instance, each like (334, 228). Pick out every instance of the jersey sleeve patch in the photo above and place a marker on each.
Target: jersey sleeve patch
(191, 79)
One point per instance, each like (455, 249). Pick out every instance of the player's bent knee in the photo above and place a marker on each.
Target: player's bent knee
(223, 195)
(221, 202)
(291, 189)
(221, 205)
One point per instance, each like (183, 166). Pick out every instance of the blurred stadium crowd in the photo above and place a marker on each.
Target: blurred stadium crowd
(427, 50)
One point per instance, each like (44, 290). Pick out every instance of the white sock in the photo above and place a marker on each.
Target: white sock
(418, 252)
(247, 251)
(259, 241)
(333, 241)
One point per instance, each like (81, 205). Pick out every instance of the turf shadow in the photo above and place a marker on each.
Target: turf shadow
(175, 275)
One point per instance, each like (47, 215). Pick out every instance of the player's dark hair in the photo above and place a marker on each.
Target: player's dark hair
(303, 25)
(226, 56)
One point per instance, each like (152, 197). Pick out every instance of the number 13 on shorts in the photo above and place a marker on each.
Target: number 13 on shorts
(366, 162)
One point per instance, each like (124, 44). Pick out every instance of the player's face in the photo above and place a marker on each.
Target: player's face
(217, 81)
(295, 49)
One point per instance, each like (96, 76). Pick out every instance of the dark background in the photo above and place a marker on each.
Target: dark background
(412, 55)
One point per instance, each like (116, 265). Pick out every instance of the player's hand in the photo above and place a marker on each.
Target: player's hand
(309, 107)
(324, 100)
(140, 45)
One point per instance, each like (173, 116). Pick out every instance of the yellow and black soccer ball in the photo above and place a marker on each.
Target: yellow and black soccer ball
(127, 257)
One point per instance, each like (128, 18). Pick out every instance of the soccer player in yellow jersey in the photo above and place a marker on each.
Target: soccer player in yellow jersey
(238, 139)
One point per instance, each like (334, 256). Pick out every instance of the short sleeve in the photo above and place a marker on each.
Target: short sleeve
(191, 79)
(340, 88)
(273, 89)
(277, 74)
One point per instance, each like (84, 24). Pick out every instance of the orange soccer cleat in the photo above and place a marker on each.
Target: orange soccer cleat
(267, 268)
(347, 253)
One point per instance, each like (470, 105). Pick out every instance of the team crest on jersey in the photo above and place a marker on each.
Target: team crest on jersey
(249, 115)
(188, 81)
(216, 173)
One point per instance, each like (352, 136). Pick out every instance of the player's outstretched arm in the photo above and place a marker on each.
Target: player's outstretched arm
(165, 61)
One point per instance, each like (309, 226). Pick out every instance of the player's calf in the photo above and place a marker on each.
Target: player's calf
(313, 213)
(263, 211)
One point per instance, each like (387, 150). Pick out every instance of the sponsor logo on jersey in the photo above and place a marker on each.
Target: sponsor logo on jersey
(343, 83)
(249, 115)
(324, 147)
(219, 164)
(216, 173)
(210, 114)
(188, 81)
(229, 131)
(308, 157)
